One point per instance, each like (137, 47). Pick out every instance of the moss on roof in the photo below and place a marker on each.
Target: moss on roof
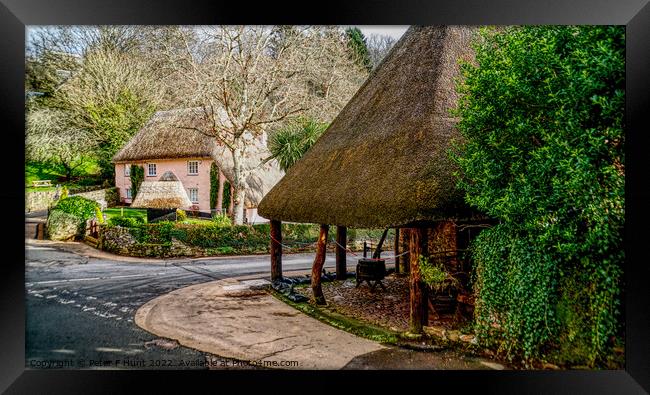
(168, 135)
(384, 159)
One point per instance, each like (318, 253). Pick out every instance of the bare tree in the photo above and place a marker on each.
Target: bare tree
(110, 97)
(51, 137)
(244, 80)
(378, 46)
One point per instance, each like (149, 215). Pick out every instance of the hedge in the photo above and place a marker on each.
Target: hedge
(211, 238)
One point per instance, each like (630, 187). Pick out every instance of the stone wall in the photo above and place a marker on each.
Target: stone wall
(118, 240)
(105, 197)
(36, 201)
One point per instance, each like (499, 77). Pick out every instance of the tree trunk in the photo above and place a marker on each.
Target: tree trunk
(317, 268)
(239, 186)
(222, 181)
(396, 250)
(240, 195)
(231, 204)
(419, 307)
(276, 250)
(341, 238)
(68, 171)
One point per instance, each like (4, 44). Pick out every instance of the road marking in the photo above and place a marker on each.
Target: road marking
(63, 351)
(93, 278)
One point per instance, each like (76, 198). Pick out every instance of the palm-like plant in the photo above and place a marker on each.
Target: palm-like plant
(290, 143)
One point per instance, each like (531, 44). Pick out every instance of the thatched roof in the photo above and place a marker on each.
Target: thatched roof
(167, 192)
(384, 159)
(184, 133)
(168, 135)
(168, 176)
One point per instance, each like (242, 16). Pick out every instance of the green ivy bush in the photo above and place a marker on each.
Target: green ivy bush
(542, 114)
(125, 222)
(136, 176)
(78, 206)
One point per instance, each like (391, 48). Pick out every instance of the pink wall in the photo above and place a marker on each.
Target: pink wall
(179, 168)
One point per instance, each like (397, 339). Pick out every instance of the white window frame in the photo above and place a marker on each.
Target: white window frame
(155, 169)
(127, 170)
(128, 193)
(189, 167)
(189, 192)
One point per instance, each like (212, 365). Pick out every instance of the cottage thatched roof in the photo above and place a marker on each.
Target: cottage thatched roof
(185, 133)
(168, 135)
(384, 159)
(167, 192)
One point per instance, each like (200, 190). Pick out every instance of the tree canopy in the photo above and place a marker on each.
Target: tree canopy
(357, 42)
(542, 116)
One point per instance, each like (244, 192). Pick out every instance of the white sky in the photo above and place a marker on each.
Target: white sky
(394, 31)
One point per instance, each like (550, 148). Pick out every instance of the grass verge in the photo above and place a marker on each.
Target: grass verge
(342, 322)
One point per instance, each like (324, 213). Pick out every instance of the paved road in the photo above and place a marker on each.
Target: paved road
(80, 309)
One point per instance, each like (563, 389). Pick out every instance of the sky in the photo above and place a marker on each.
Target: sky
(394, 31)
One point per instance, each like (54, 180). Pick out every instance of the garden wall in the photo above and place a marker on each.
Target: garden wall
(172, 239)
(36, 201)
(121, 241)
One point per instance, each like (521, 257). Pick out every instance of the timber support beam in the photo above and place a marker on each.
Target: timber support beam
(276, 250)
(317, 268)
(341, 240)
(419, 307)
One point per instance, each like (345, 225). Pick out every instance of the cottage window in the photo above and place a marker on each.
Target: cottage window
(193, 167)
(194, 195)
(127, 170)
(128, 193)
(151, 169)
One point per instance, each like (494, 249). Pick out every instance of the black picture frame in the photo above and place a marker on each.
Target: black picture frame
(15, 15)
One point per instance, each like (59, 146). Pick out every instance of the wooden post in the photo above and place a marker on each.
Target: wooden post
(404, 241)
(341, 239)
(276, 250)
(419, 307)
(317, 268)
(377, 253)
(396, 250)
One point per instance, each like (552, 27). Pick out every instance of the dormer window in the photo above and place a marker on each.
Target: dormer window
(193, 167)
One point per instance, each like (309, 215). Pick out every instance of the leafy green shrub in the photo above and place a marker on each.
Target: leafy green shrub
(542, 116)
(435, 275)
(64, 193)
(180, 215)
(77, 206)
(221, 220)
(125, 222)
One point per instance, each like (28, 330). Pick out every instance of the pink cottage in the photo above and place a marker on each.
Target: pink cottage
(160, 146)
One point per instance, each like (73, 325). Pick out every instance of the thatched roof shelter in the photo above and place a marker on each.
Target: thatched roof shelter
(384, 160)
(185, 133)
(167, 192)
